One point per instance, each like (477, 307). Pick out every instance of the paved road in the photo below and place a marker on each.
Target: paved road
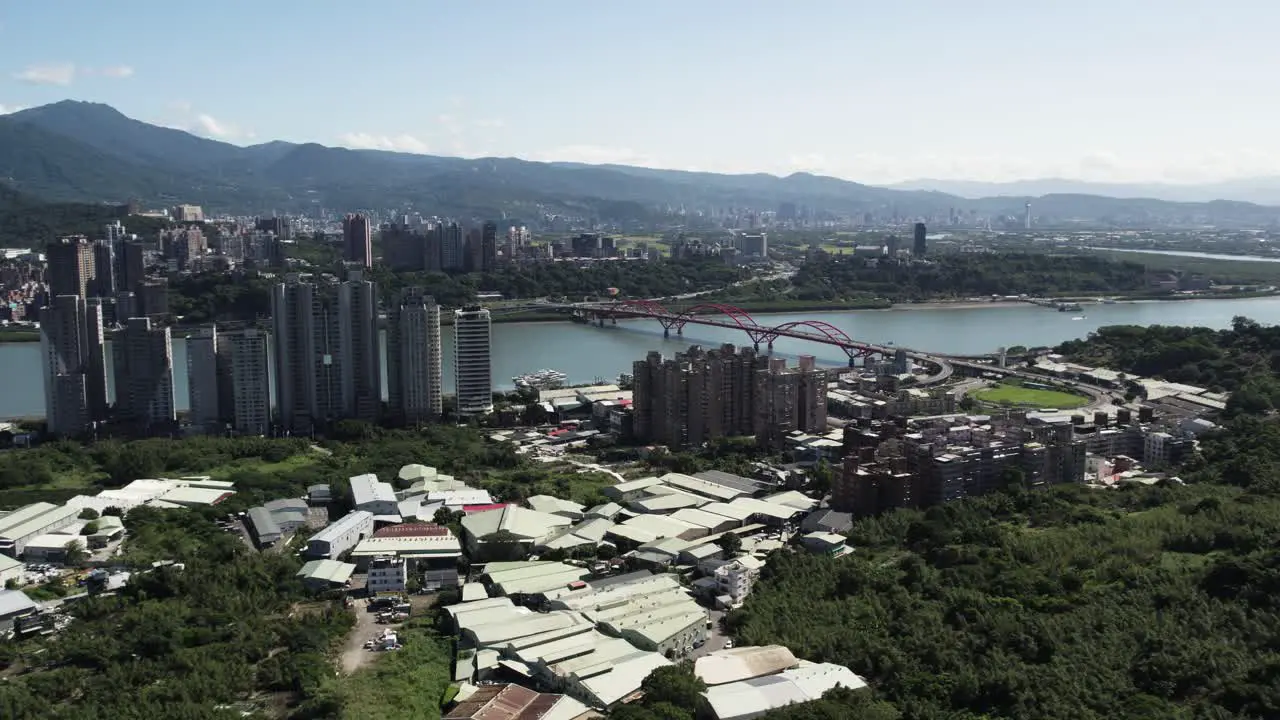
(716, 637)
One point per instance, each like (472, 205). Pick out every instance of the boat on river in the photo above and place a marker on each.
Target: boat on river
(540, 380)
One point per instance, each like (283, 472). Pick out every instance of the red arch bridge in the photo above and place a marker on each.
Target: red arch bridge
(728, 316)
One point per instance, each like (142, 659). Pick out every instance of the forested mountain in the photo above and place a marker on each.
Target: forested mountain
(91, 152)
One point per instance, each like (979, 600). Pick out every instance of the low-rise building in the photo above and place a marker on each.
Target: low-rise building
(13, 605)
(326, 574)
(373, 496)
(735, 579)
(53, 547)
(10, 569)
(652, 612)
(748, 699)
(509, 529)
(387, 574)
(341, 536)
(262, 527)
(21, 526)
(512, 702)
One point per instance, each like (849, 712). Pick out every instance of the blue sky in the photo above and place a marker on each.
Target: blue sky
(1173, 90)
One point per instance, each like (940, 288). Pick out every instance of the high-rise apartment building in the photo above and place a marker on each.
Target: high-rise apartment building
(133, 266)
(701, 395)
(104, 269)
(488, 247)
(308, 354)
(358, 340)
(71, 266)
(357, 239)
(204, 394)
(96, 363)
(70, 335)
(143, 357)
(452, 246)
(415, 390)
(920, 240)
(472, 360)
(278, 226)
(243, 367)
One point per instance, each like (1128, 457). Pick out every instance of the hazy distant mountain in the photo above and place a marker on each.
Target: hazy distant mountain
(91, 152)
(1261, 190)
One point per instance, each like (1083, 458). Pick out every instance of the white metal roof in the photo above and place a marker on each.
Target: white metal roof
(712, 490)
(343, 525)
(13, 602)
(327, 570)
(521, 522)
(368, 489)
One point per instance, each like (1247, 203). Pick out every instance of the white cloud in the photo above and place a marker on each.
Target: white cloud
(596, 155)
(397, 143)
(48, 74)
(490, 123)
(113, 71)
(6, 109)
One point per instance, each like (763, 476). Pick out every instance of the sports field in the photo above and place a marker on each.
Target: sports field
(1012, 393)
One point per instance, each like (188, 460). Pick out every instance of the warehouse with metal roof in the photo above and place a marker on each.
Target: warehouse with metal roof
(326, 574)
(752, 698)
(24, 524)
(262, 526)
(341, 536)
(526, 526)
(556, 506)
(532, 578)
(706, 488)
(626, 491)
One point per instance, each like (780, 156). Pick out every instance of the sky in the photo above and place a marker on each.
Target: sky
(866, 90)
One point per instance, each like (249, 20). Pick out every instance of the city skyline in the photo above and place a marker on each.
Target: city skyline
(996, 93)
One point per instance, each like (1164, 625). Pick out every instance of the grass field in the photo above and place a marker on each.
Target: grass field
(1013, 394)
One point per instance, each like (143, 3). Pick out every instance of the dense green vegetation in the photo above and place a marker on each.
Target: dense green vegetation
(1242, 359)
(964, 275)
(230, 626)
(220, 297)
(1137, 602)
(408, 684)
(1227, 272)
(1142, 602)
(26, 222)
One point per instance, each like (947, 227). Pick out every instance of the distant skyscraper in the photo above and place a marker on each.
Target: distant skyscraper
(415, 389)
(308, 356)
(920, 245)
(357, 239)
(104, 269)
(242, 357)
(133, 266)
(488, 247)
(144, 376)
(203, 391)
(68, 341)
(473, 357)
(358, 340)
(71, 266)
(1026, 216)
(452, 247)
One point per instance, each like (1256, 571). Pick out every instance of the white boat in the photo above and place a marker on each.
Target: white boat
(540, 380)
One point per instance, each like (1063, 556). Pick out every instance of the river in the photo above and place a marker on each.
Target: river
(1192, 254)
(588, 352)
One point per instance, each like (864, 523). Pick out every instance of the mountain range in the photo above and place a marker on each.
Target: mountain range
(90, 152)
(1259, 190)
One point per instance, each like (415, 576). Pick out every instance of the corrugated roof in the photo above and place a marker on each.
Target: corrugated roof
(712, 490)
(343, 525)
(743, 663)
(327, 570)
(15, 602)
(368, 489)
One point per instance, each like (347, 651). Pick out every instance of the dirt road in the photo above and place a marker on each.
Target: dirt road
(354, 653)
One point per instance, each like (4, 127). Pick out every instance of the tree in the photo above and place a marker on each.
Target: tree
(674, 684)
(88, 514)
(731, 544)
(89, 528)
(74, 554)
